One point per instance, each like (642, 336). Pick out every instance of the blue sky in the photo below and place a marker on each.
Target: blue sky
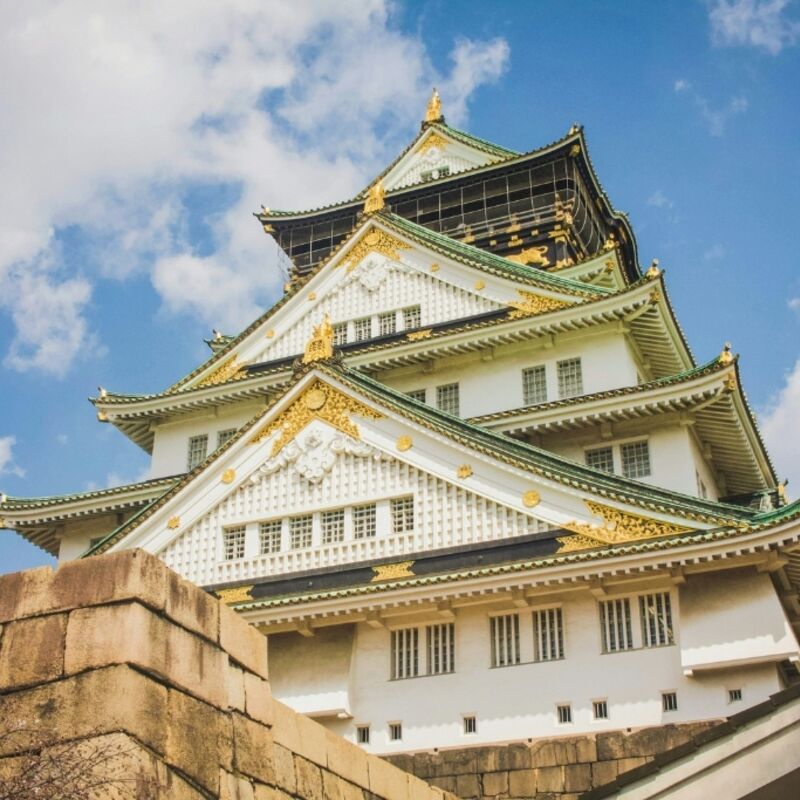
(136, 142)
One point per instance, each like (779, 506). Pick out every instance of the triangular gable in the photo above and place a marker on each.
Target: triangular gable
(324, 419)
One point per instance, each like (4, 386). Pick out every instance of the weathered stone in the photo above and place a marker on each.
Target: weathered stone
(236, 698)
(312, 742)
(458, 762)
(309, 779)
(604, 772)
(243, 643)
(386, 780)
(25, 594)
(270, 793)
(514, 756)
(283, 764)
(347, 760)
(421, 790)
(586, 749)
(624, 764)
(130, 633)
(233, 787)
(196, 610)
(611, 745)
(550, 779)
(253, 749)
(553, 753)
(32, 651)
(577, 777)
(331, 786)
(522, 783)
(495, 783)
(258, 698)
(468, 787)
(446, 782)
(426, 765)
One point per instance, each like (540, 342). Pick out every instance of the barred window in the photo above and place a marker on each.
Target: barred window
(601, 458)
(405, 653)
(447, 398)
(362, 734)
(470, 725)
(362, 328)
(198, 448)
(395, 731)
(656, 615)
(270, 536)
(387, 323)
(364, 521)
(548, 634)
(402, 509)
(600, 708)
(635, 459)
(441, 648)
(300, 531)
(564, 713)
(669, 701)
(233, 539)
(570, 378)
(534, 386)
(412, 317)
(340, 333)
(332, 526)
(734, 695)
(417, 394)
(615, 625)
(505, 640)
(225, 436)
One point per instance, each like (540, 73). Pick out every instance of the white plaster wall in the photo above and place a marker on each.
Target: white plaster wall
(519, 702)
(703, 470)
(496, 385)
(78, 534)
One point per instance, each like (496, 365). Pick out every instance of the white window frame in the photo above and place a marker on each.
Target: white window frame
(333, 536)
(420, 395)
(196, 455)
(440, 646)
(469, 724)
(505, 640)
(548, 634)
(635, 474)
(389, 317)
(448, 398)
(609, 448)
(364, 521)
(362, 322)
(656, 619)
(270, 532)
(395, 731)
(233, 549)
(401, 512)
(340, 333)
(669, 697)
(616, 627)
(601, 702)
(363, 733)
(404, 653)
(307, 536)
(529, 397)
(412, 317)
(564, 390)
(224, 436)
(564, 713)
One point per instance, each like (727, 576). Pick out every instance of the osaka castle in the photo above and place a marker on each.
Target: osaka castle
(466, 475)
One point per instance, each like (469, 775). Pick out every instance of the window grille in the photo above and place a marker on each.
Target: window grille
(270, 536)
(734, 695)
(615, 625)
(441, 648)
(505, 640)
(402, 510)
(198, 448)
(635, 459)
(412, 317)
(387, 323)
(417, 394)
(600, 708)
(570, 378)
(564, 712)
(364, 521)
(234, 542)
(300, 531)
(447, 398)
(362, 328)
(656, 615)
(395, 731)
(405, 653)
(534, 386)
(548, 634)
(601, 458)
(225, 436)
(332, 526)
(340, 333)
(669, 701)
(470, 725)
(362, 734)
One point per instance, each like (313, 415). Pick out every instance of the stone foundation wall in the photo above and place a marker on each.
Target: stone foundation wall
(117, 654)
(555, 769)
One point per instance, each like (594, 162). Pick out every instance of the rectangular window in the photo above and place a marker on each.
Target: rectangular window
(635, 459)
(615, 625)
(300, 531)
(332, 526)
(270, 536)
(395, 731)
(362, 328)
(405, 653)
(364, 521)
(601, 458)
(198, 448)
(387, 323)
(417, 394)
(412, 317)
(734, 695)
(225, 436)
(564, 712)
(656, 615)
(441, 648)
(570, 378)
(234, 542)
(548, 634)
(447, 398)
(505, 640)
(600, 708)
(470, 725)
(362, 734)
(402, 509)
(669, 701)
(534, 386)
(340, 333)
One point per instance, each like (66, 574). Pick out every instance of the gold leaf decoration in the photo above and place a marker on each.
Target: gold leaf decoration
(530, 304)
(320, 346)
(531, 255)
(531, 498)
(173, 523)
(433, 139)
(373, 240)
(236, 594)
(376, 198)
(270, 333)
(229, 476)
(480, 285)
(319, 401)
(387, 572)
(415, 336)
(404, 443)
(434, 267)
(464, 471)
(231, 370)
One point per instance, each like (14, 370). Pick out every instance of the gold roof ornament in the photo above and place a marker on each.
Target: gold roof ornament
(433, 113)
(376, 198)
(320, 345)
(653, 270)
(726, 356)
(574, 128)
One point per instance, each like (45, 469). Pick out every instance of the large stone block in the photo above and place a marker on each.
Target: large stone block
(347, 760)
(604, 772)
(283, 764)
(309, 779)
(25, 594)
(130, 633)
(386, 780)
(253, 749)
(258, 698)
(495, 783)
(32, 651)
(191, 607)
(550, 779)
(313, 743)
(553, 753)
(577, 777)
(522, 783)
(234, 787)
(243, 643)
(468, 787)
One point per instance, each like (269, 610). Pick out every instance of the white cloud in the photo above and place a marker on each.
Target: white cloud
(114, 112)
(716, 118)
(62, 439)
(794, 304)
(714, 253)
(681, 85)
(659, 200)
(781, 432)
(756, 23)
(7, 465)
